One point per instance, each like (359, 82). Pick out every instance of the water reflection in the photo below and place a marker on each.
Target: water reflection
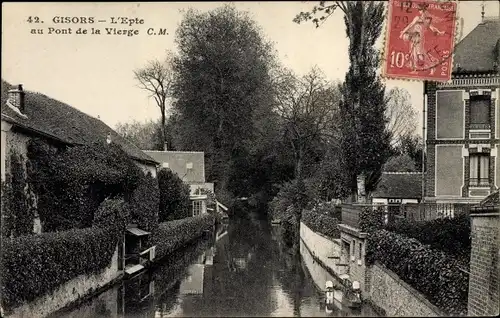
(243, 270)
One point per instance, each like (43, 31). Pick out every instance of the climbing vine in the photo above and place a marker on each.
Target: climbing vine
(17, 207)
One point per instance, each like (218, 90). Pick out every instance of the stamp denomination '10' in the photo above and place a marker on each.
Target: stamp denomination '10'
(420, 40)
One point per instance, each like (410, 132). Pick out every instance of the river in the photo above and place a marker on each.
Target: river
(243, 270)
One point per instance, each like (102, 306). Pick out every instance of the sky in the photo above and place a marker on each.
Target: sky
(94, 73)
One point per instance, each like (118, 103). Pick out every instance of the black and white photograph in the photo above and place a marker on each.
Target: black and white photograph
(250, 159)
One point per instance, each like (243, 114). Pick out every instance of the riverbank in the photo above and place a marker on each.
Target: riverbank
(171, 236)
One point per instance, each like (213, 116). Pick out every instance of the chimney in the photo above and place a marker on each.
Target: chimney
(16, 97)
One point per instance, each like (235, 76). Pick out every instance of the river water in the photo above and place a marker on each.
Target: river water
(242, 270)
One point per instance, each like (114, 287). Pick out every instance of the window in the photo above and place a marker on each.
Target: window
(197, 207)
(360, 251)
(479, 169)
(480, 112)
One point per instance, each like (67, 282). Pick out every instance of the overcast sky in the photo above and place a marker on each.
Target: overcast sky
(94, 73)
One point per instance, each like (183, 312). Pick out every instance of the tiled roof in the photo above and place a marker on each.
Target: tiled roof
(55, 119)
(178, 160)
(401, 185)
(478, 51)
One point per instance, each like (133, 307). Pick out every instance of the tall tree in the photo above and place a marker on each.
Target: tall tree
(306, 106)
(145, 135)
(157, 78)
(401, 114)
(365, 139)
(222, 77)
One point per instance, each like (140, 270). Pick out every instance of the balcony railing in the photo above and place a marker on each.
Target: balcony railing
(350, 214)
(480, 182)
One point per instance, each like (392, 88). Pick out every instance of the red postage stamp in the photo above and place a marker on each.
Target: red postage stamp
(420, 39)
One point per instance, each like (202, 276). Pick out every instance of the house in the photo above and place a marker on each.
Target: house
(26, 114)
(398, 188)
(190, 167)
(463, 121)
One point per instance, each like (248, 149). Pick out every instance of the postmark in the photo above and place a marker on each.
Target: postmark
(420, 39)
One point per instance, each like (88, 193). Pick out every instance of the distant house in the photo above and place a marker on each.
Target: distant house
(190, 167)
(27, 114)
(398, 188)
(463, 122)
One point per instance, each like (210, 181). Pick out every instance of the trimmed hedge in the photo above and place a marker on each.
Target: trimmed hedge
(174, 196)
(321, 223)
(371, 219)
(36, 265)
(175, 234)
(433, 273)
(452, 236)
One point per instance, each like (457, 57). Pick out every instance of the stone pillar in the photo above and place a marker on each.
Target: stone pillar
(484, 281)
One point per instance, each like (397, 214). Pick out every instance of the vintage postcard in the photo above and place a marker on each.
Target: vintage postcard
(256, 159)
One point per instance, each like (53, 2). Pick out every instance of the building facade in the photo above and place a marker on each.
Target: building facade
(463, 122)
(190, 167)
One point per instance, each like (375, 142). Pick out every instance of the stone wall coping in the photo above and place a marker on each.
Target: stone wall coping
(351, 230)
(335, 241)
(412, 290)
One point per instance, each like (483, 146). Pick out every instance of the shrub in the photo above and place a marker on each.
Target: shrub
(434, 273)
(371, 219)
(321, 223)
(113, 213)
(71, 183)
(17, 209)
(35, 265)
(451, 235)
(145, 204)
(290, 194)
(175, 234)
(174, 196)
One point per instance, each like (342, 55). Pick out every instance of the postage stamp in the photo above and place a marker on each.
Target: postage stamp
(420, 39)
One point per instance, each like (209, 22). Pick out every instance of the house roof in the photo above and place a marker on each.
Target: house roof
(479, 50)
(178, 162)
(403, 185)
(54, 119)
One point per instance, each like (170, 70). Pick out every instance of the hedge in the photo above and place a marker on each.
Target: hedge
(174, 234)
(322, 223)
(70, 184)
(452, 236)
(35, 265)
(174, 196)
(435, 274)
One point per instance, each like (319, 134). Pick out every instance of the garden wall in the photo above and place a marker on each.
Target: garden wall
(69, 292)
(322, 247)
(396, 297)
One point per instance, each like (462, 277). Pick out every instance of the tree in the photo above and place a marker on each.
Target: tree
(146, 136)
(400, 163)
(174, 196)
(222, 77)
(306, 106)
(412, 146)
(401, 114)
(157, 79)
(365, 140)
